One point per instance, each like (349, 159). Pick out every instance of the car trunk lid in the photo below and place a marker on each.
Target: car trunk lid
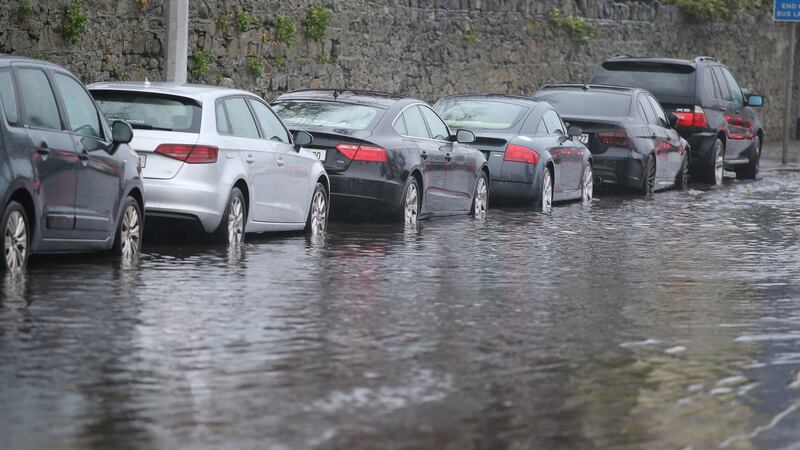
(154, 165)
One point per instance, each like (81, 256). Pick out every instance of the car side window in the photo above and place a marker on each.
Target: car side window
(222, 119)
(661, 118)
(241, 121)
(541, 128)
(647, 111)
(438, 128)
(733, 87)
(9, 97)
(415, 123)
(722, 84)
(41, 110)
(710, 84)
(81, 113)
(271, 126)
(400, 125)
(553, 123)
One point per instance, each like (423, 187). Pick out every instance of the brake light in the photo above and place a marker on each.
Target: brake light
(616, 138)
(519, 153)
(368, 153)
(190, 154)
(696, 118)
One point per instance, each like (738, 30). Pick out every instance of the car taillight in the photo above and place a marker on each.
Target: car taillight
(190, 154)
(696, 118)
(519, 153)
(616, 138)
(368, 153)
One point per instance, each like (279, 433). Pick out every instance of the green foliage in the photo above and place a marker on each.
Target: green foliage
(322, 58)
(577, 26)
(243, 19)
(718, 10)
(76, 22)
(202, 63)
(219, 79)
(316, 23)
(254, 65)
(471, 37)
(118, 74)
(285, 30)
(223, 22)
(25, 11)
(278, 62)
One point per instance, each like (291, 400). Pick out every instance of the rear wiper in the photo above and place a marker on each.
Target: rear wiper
(143, 126)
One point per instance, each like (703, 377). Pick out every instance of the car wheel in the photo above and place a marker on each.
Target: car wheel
(128, 240)
(480, 200)
(682, 178)
(231, 229)
(16, 238)
(587, 187)
(317, 222)
(750, 172)
(648, 188)
(716, 167)
(412, 202)
(546, 198)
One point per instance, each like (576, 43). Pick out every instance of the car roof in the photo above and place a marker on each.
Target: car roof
(193, 91)
(520, 100)
(6, 59)
(593, 88)
(373, 98)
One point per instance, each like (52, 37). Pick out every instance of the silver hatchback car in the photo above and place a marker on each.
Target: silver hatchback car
(220, 157)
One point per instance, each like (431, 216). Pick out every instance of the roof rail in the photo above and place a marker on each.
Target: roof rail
(587, 87)
(705, 58)
(338, 92)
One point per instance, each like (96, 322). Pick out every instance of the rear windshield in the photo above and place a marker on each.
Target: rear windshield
(481, 114)
(661, 79)
(146, 111)
(588, 103)
(339, 115)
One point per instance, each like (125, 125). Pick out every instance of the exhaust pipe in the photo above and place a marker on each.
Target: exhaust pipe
(598, 180)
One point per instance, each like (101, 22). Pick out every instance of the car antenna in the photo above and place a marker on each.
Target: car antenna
(146, 82)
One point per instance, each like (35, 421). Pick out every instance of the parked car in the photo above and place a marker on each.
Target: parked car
(632, 140)
(714, 114)
(70, 182)
(389, 155)
(220, 158)
(533, 155)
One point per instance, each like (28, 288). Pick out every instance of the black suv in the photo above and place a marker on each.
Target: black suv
(69, 182)
(714, 114)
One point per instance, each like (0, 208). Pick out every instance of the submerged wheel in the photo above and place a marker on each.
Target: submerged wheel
(412, 202)
(231, 228)
(317, 222)
(750, 172)
(16, 238)
(648, 188)
(587, 187)
(682, 178)
(545, 203)
(716, 167)
(128, 241)
(480, 200)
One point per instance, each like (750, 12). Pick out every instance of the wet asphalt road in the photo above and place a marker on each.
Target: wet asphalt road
(665, 324)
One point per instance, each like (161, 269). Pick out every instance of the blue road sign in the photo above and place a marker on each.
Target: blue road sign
(786, 11)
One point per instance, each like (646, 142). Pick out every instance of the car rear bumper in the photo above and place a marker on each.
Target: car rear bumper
(179, 197)
(619, 166)
(702, 145)
(364, 195)
(518, 182)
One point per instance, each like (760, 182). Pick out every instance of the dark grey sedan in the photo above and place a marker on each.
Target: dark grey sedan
(532, 155)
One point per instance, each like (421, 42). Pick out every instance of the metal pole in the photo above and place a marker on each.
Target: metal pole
(788, 98)
(177, 40)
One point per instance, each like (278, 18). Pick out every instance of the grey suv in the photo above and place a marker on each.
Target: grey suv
(69, 182)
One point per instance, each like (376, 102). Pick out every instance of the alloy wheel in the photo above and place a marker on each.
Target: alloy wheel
(130, 234)
(547, 192)
(411, 211)
(588, 186)
(235, 221)
(481, 199)
(650, 189)
(319, 214)
(16, 241)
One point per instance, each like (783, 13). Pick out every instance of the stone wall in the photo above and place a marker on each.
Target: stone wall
(425, 48)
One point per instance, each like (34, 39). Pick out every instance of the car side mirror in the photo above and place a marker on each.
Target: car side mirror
(755, 100)
(673, 120)
(302, 138)
(121, 132)
(465, 137)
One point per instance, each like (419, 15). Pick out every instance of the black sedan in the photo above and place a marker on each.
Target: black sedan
(632, 140)
(534, 157)
(389, 155)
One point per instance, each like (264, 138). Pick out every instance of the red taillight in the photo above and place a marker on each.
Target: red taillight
(368, 153)
(696, 118)
(616, 138)
(190, 154)
(518, 153)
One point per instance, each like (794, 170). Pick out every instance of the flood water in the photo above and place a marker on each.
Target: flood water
(671, 323)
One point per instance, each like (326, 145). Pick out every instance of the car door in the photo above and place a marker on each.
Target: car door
(567, 172)
(99, 186)
(669, 141)
(656, 135)
(460, 171)
(432, 158)
(740, 126)
(294, 186)
(53, 152)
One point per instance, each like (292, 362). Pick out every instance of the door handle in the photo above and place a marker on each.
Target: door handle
(424, 156)
(281, 163)
(448, 158)
(250, 159)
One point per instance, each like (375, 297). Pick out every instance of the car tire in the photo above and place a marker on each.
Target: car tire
(15, 237)
(682, 178)
(750, 172)
(411, 204)
(128, 238)
(587, 185)
(545, 201)
(648, 188)
(716, 166)
(317, 221)
(480, 199)
(232, 226)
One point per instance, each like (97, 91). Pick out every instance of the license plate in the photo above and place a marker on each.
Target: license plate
(584, 138)
(142, 160)
(319, 154)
